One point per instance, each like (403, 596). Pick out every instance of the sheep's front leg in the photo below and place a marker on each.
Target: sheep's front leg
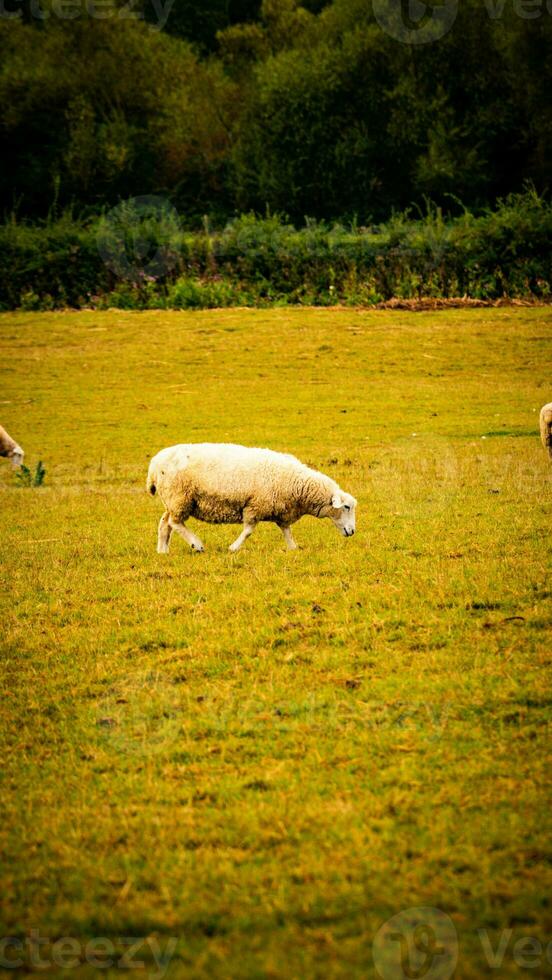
(248, 528)
(192, 539)
(288, 537)
(164, 534)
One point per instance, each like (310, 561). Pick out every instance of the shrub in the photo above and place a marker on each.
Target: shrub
(25, 478)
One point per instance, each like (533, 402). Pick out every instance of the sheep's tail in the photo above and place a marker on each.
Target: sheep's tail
(150, 485)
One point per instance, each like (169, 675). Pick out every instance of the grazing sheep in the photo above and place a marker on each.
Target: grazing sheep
(227, 484)
(546, 427)
(10, 448)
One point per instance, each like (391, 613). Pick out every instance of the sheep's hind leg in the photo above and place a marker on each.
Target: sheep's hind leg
(288, 537)
(164, 534)
(192, 539)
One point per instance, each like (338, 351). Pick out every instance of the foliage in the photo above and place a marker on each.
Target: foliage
(306, 108)
(268, 755)
(505, 252)
(98, 110)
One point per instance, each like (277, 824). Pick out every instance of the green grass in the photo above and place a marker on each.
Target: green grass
(268, 755)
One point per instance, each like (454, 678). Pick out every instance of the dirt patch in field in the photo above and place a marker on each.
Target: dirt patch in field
(428, 303)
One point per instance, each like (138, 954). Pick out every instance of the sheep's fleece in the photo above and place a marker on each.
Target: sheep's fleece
(228, 484)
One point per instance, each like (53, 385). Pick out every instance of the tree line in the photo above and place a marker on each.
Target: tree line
(306, 109)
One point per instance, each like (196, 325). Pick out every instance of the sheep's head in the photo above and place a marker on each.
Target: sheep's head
(16, 455)
(342, 512)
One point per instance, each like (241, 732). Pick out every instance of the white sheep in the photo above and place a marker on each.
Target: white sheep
(227, 484)
(10, 448)
(546, 427)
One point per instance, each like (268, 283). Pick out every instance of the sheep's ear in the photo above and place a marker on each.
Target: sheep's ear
(337, 501)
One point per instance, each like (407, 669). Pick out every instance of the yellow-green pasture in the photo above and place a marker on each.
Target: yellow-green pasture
(264, 757)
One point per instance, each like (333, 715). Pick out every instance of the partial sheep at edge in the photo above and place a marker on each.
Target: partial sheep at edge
(546, 427)
(10, 449)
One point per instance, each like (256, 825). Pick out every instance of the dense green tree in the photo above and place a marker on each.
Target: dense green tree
(355, 122)
(92, 110)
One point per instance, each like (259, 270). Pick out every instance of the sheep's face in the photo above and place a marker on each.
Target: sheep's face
(343, 513)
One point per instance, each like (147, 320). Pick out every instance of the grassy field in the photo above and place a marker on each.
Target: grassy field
(250, 763)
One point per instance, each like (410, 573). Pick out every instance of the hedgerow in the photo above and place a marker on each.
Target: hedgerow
(505, 252)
